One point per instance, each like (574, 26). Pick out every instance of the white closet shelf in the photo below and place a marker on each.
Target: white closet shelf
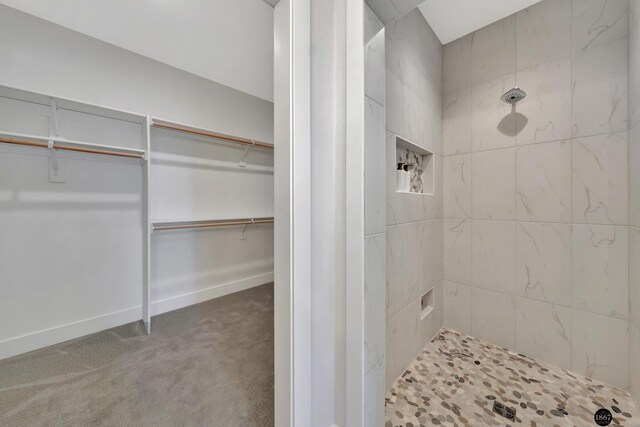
(209, 223)
(70, 145)
(70, 104)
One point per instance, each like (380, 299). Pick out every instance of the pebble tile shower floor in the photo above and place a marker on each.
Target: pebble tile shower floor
(456, 380)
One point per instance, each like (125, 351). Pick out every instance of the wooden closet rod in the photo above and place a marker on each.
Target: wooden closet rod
(209, 134)
(57, 146)
(227, 223)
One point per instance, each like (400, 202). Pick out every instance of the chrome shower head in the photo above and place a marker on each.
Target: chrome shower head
(513, 96)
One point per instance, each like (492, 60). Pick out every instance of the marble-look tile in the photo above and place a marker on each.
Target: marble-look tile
(494, 184)
(433, 119)
(600, 269)
(374, 299)
(634, 363)
(403, 208)
(600, 180)
(372, 24)
(434, 264)
(374, 168)
(543, 262)
(457, 307)
(634, 176)
(600, 348)
(634, 277)
(402, 341)
(431, 324)
(384, 9)
(634, 63)
(457, 186)
(413, 252)
(374, 391)
(420, 45)
(456, 117)
(457, 250)
(544, 182)
(493, 122)
(542, 33)
(493, 317)
(407, 334)
(406, 94)
(598, 22)
(493, 255)
(414, 82)
(493, 51)
(600, 90)
(456, 64)
(545, 114)
(374, 60)
(543, 331)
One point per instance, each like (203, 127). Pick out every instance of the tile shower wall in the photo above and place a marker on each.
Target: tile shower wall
(374, 214)
(413, 222)
(536, 208)
(634, 198)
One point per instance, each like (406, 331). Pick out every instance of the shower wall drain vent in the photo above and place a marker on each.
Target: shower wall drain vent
(503, 410)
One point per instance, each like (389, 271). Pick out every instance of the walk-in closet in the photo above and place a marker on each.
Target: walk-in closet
(136, 214)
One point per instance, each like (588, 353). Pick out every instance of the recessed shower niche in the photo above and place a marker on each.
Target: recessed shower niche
(414, 168)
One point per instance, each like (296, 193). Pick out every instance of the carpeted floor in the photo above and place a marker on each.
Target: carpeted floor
(210, 364)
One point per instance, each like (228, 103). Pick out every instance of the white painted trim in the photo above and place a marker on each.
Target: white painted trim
(292, 228)
(37, 340)
(146, 223)
(216, 291)
(354, 187)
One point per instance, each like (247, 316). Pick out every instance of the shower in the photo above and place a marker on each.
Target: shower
(513, 96)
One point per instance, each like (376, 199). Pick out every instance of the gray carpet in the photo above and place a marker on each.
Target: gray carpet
(210, 364)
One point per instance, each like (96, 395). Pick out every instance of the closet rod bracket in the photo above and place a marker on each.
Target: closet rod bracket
(57, 173)
(243, 162)
(53, 164)
(243, 236)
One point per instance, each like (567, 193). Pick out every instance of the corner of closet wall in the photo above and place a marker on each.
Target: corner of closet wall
(84, 236)
(535, 199)
(414, 227)
(634, 198)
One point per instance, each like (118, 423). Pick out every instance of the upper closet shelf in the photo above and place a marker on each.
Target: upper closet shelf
(71, 105)
(180, 127)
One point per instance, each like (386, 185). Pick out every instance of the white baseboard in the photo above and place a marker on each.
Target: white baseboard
(217, 291)
(36, 340)
(33, 341)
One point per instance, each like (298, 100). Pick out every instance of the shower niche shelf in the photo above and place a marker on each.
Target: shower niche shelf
(421, 171)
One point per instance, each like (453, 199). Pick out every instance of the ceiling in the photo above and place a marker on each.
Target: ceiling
(452, 19)
(226, 41)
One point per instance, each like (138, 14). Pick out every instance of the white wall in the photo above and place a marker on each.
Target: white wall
(71, 253)
(226, 41)
(44, 57)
